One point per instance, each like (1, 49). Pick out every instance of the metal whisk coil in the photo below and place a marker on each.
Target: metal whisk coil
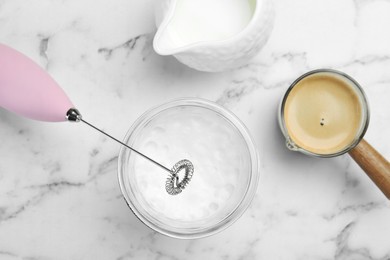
(172, 185)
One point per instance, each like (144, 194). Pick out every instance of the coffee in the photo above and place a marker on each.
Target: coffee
(323, 113)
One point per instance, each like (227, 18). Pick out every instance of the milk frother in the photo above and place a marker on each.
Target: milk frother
(27, 90)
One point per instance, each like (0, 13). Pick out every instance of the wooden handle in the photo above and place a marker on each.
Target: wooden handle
(374, 164)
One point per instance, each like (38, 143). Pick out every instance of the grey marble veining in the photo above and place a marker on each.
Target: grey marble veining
(59, 195)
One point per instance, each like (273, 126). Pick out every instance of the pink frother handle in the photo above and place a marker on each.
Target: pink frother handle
(27, 90)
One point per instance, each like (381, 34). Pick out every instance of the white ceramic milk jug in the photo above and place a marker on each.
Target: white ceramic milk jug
(212, 35)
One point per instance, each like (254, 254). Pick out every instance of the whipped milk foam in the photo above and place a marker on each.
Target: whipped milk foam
(217, 150)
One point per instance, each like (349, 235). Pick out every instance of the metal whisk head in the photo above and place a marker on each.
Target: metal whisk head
(172, 185)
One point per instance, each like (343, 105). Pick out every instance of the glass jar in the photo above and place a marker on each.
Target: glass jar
(225, 161)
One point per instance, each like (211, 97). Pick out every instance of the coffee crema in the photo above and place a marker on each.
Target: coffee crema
(323, 113)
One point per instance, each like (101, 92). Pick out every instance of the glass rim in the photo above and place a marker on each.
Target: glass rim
(236, 212)
(365, 114)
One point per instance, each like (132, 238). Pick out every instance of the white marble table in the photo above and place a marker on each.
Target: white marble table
(59, 196)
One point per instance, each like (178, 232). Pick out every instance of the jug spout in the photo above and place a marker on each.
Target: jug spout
(291, 145)
(165, 42)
